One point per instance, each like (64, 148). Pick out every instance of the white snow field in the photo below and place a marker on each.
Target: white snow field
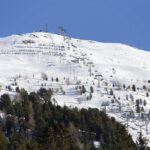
(36, 59)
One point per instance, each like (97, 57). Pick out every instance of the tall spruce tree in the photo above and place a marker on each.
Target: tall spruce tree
(142, 143)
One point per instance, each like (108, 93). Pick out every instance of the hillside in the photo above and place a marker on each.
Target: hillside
(111, 77)
(34, 123)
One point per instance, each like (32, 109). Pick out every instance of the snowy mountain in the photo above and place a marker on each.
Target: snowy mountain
(107, 76)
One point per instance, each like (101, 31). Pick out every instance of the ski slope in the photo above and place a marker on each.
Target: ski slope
(25, 59)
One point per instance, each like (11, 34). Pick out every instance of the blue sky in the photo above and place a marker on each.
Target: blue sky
(119, 21)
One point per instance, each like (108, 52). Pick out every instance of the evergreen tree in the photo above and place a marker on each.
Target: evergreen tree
(142, 143)
(137, 106)
(144, 103)
(144, 87)
(6, 105)
(133, 88)
(124, 86)
(83, 89)
(3, 142)
(37, 124)
(57, 80)
(91, 89)
(111, 92)
(147, 94)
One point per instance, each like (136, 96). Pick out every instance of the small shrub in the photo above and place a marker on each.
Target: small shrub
(44, 76)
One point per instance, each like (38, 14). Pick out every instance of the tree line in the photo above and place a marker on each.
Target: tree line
(33, 122)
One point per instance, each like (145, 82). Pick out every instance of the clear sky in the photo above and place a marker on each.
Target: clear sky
(119, 21)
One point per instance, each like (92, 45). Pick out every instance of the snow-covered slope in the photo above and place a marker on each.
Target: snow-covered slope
(128, 62)
(37, 59)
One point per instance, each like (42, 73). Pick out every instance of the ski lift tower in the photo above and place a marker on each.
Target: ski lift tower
(98, 77)
(114, 75)
(68, 42)
(69, 67)
(46, 28)
(146, 120)
(146, 124)
(90, 68)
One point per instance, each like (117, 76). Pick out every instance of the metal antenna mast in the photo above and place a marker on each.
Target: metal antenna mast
(46, 28)
(68, 42)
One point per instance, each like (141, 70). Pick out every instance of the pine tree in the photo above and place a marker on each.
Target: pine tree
(111, 92)
(147, 94)
(144, 87)
(133, 88)
(141, 143)
(91, 89)
(137, 106)
(83, 89)
(124, 86)
(144, 103)
(57, 80)
(3, 142)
